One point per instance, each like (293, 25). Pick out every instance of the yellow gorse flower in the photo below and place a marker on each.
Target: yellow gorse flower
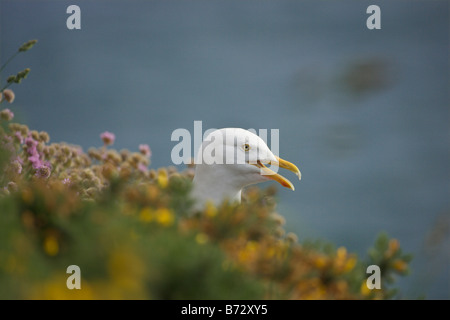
(343, 261)
(248, 252)
(393, 247)
(51, 246)
(400, 265)
(162, 178)
(164, 217)
(210, 210)
(55, 289)
(146, 215)
(201, 238)
(364, 289)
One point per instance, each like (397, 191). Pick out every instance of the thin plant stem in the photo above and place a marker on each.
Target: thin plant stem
(9, 60)
(6, 86)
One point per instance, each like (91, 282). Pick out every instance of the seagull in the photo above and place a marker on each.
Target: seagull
(230, 159)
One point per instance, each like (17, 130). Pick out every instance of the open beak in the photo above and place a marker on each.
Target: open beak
(275, 176)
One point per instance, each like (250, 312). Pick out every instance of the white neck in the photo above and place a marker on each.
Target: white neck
(210, 185)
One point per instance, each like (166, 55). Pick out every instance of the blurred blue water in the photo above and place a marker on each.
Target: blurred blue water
(372, 160)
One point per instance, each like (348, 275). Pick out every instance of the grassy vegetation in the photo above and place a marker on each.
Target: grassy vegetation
(134, 234)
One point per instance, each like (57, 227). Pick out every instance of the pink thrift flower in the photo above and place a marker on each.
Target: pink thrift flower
(145, 150)
(35, 161)
(9, 95)
(19, 137)
(142, 167)
(108, 138)
(79, 151)
(31, 143)
(34, 156)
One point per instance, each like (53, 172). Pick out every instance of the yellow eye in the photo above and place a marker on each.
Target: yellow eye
(246, 147)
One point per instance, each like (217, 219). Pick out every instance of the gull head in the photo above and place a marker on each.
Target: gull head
(230, 159)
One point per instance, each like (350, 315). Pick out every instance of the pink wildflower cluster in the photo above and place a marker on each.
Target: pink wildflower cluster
(108, 138)
(43, 168)
(142, 167)
(145, 150)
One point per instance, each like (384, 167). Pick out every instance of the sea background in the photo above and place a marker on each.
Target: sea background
(363, 113)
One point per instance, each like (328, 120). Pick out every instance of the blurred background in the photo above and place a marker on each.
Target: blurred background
(363, 113)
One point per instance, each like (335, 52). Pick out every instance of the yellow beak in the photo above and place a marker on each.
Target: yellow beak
(275, 176)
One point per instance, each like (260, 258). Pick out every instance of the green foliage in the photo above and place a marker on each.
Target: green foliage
(388, 255)
(135, 235)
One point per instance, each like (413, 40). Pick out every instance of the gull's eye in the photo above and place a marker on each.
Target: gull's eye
(246, 147)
